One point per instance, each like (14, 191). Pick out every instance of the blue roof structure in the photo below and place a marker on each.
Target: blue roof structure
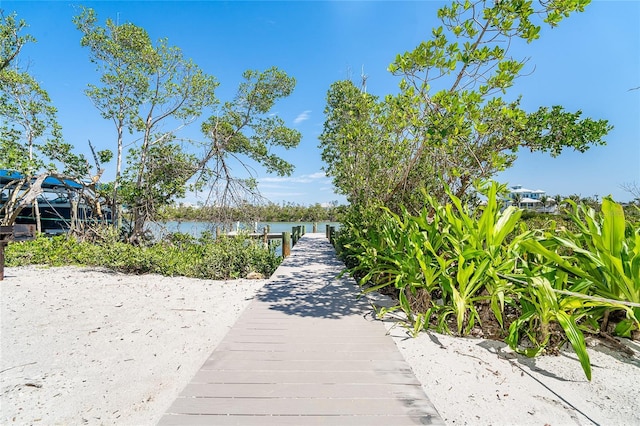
(50, 182)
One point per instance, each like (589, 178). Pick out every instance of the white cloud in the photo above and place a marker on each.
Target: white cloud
(275, 195)
(294, 179)
(318, 175)
(302, 117)
(271, 186)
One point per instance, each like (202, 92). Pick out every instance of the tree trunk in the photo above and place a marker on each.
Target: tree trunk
(116, 208)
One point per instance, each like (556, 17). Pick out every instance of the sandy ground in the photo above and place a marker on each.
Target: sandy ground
(82, 346)
(483, 382)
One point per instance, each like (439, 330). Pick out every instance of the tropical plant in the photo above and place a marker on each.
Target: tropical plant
(542, 307)
(457, 269)
(449, 252)
(145, 86)
(11, 41)
(517, 199)
(246, 128)
(545, 199)
(604, 260)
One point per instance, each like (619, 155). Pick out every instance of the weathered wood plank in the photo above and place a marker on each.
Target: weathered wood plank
(307, 355)
(301, 406)
(330, 377)
(271, 420)
(301, 390)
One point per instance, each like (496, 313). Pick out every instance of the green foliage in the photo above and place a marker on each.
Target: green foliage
(143, 87)
(448, 126)
(245, 128)
(30, 136)
(245, 212)
(483, 270)
(353, 149)
(408, 164)
(182, 255)
(604, 259)
(146, 86)
(541, 306)
(11, 41)
(235, 258)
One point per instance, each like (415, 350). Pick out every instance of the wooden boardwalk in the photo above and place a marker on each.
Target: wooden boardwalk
(305, 352)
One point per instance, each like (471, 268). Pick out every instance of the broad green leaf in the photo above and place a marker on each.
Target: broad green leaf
(576, 338)
(613, 226)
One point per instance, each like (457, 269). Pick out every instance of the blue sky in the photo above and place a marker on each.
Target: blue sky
(590, 62)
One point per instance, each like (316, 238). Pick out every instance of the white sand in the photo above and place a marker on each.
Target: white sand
(82, 346)
(482, 382)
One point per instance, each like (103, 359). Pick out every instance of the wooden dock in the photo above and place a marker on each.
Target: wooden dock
(305, 352)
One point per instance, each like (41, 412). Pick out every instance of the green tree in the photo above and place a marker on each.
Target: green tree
(352, 142)
(124, 56)
(448, 125)
(244, 129)
(30, 137)
(178, 91)
(517, 199)
(145, 87)
(11, 41)
(544, 199)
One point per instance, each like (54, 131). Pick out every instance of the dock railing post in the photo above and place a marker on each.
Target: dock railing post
(332, 234)
(327, 231)
(6, 235)
(286, 244)
(315, 227)
(295, 235)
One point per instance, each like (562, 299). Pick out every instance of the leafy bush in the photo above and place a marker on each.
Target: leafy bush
(485, 271)
(179, 255)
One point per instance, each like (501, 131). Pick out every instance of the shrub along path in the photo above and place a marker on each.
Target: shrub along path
(305, 351)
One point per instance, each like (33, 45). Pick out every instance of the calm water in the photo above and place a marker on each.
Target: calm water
(197, 228)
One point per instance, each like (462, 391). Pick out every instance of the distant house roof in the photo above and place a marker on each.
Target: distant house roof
(529, 200)
(518, 189)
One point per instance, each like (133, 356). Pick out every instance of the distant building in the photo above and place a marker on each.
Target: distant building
(531, 199)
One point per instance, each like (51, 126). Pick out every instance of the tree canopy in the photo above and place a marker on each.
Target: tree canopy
(245, 128)
(30, 137)
(150, 90)
(449, 125)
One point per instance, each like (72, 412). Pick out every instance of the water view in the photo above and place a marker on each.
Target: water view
(197, 228)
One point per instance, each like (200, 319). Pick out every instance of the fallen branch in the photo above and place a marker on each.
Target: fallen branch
(615, 343)
(17, 366)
